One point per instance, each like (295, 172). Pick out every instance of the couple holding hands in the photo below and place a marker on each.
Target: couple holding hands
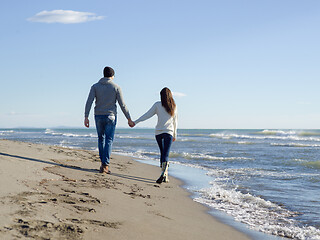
(106, 94)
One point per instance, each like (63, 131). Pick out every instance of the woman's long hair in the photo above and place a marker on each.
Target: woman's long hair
(167, 101)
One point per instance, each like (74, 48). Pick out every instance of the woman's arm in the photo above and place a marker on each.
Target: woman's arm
(147, 115)
(175, 125)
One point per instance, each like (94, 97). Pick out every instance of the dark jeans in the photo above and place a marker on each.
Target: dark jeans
(105, 125)
(164, 141)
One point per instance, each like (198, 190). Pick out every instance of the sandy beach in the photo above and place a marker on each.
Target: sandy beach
(50, 192)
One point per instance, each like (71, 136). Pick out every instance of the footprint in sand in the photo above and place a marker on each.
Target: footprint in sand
(38, 229)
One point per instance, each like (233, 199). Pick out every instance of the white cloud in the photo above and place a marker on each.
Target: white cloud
(64, 16)
(178, 94)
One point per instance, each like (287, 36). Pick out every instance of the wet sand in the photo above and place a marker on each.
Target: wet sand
(49, 192)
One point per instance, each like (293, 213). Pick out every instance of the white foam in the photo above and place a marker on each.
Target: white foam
(137, 154)
(132, 137)
(182, 139)
(53, 133)
(244, 136)
(278, 132)
(294, 145)
(202, 156)
(173, 155)
(64, 143)
(257, 213)
(239, 142)
(6, 132)
(192, 135)
(290, 132)
(220, 174)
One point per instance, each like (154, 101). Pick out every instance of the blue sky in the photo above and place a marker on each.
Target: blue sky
(235, 63)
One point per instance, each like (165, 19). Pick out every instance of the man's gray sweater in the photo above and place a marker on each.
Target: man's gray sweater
(107, 94)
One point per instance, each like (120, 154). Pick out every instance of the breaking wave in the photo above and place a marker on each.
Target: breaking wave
(294, 145)
(259, 214)
(191, 156)
(53, 133)
(263, 137)
(6, 132)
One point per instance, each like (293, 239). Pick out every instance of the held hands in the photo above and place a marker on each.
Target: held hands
(131, 123)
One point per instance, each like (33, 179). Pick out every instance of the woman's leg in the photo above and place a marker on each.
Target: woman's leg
(159, 139)
(167, 141)
(164, 141)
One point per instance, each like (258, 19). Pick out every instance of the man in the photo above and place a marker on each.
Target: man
(107, 94)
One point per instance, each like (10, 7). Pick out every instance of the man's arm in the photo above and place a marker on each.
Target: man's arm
(122, 104)
(88, 106)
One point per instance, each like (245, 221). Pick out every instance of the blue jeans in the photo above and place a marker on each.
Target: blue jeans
(106, 125)
(164, 141)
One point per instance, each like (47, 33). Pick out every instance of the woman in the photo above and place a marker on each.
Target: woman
(166, 128)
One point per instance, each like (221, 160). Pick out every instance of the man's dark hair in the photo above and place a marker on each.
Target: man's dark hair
(108, 72)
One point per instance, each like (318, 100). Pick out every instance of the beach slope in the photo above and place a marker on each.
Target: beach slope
(50, 192)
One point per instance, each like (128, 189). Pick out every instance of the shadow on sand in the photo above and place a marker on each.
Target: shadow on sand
(129, 177)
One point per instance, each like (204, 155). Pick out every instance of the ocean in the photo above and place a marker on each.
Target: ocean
(267, 180)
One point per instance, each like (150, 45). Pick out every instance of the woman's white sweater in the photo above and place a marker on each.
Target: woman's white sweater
(166, 122)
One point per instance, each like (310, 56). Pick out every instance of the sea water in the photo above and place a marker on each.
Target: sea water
(267, 179)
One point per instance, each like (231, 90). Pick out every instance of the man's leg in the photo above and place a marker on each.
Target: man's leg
(100, 126)
(109, 136)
